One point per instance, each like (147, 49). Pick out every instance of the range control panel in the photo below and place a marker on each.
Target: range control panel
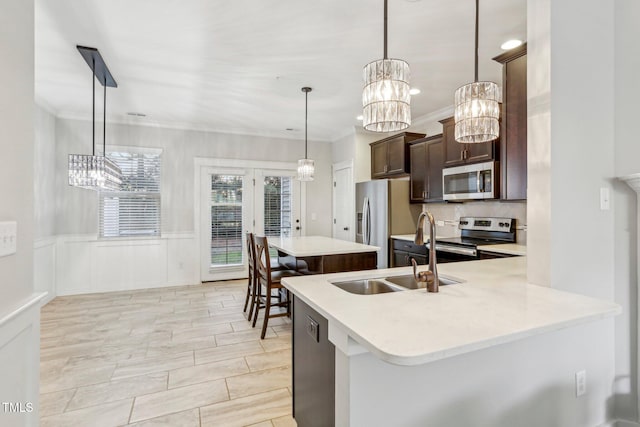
(487, 224)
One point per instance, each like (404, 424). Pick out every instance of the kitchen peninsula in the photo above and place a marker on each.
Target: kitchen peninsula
(492, 350)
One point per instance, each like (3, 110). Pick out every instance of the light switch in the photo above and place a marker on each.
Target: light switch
(8, 237)
(605, 203)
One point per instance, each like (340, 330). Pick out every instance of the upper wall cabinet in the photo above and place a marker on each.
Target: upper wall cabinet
(426, 170)
(390, 156)
(456, 154)
(513, 139)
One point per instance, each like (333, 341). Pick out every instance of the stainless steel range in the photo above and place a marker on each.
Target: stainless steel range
(475, 231)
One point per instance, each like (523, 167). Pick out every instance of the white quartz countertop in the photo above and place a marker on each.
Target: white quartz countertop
(318, 246)
(494, 305)
(505, 248)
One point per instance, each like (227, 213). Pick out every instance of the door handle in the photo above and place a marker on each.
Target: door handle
(297, 227)
(346, 229)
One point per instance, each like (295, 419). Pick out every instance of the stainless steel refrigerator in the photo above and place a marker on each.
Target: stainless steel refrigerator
(382, 210)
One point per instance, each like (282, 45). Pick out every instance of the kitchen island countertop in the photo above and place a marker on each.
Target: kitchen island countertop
(494, 305)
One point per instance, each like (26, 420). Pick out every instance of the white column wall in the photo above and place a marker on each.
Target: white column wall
(19, 309)
(627, 153)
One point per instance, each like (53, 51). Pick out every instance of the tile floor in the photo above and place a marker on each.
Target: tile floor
(180, 357)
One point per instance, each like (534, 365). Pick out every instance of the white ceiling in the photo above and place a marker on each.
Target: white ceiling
(238, 65)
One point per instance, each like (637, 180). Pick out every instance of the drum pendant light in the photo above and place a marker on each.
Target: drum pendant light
(306, 167)
(95, 172)
(476, 107)
(385, 97)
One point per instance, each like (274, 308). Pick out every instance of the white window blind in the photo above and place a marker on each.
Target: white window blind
(277, 206)
(135, 209)
(226, 220)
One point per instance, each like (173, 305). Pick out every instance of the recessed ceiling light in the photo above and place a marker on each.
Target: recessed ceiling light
(510, 44)
(414, 91)
(359, 118)
(136, 114)
(289, 129)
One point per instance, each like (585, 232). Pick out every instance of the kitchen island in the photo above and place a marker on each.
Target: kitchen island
(491, 351)
(319, 254)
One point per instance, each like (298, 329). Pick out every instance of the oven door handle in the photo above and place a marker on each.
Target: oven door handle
(456, 250)
(480, 190)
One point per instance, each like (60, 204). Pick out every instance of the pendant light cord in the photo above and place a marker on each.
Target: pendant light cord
(306, 114)
(93, 98)
(476, 57)
(385, 29)
(104, 120)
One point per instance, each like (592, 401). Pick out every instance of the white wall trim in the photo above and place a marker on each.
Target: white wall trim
(434, 116)
(146, 122)
(25, 305)
(620, 423)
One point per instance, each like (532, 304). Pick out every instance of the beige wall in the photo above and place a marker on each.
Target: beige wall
(77, 209)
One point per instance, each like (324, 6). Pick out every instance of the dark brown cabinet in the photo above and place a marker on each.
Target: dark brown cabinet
(313, 368)
(390, 156)
(427, 159)
(513, 139)
(404, 250)
(456, 154)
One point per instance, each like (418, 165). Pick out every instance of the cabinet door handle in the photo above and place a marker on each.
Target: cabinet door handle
(386, 168)
(424, 194)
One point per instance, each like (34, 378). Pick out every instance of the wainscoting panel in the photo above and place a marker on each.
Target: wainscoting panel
(44, 267)
(85, 264)
(20, 363)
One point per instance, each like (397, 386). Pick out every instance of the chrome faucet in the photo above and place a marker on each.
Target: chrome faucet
(430, 276)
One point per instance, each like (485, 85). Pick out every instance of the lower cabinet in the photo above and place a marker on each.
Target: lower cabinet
(404, 250)
(313, 368)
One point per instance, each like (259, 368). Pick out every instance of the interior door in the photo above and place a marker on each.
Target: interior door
(343, 204)
(226, 213)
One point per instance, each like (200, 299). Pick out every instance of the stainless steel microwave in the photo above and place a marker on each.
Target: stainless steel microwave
(470, 182)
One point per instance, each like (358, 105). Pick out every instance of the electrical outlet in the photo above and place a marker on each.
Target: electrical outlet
(581, 383)
(8, 237)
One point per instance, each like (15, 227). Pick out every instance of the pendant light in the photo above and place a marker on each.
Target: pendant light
(385, 98)
(95, 172)
(476, 107)
(306, 167)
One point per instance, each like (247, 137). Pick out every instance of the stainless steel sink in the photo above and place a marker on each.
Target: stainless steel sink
(409, 282)
(366, 286)
(381, 285)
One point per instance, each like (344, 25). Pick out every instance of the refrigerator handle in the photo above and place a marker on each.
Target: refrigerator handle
(368, 221)
(364, 221)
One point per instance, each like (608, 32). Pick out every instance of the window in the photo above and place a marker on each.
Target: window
(277, 206)
(135, 209)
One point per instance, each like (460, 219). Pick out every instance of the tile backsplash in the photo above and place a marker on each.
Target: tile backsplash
(451, 212)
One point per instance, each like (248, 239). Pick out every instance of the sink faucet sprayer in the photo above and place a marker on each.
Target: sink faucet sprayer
(430, 276)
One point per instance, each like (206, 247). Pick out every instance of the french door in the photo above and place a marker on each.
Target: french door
(235, 201)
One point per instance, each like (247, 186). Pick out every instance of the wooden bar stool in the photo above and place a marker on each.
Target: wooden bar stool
(269, 281)
(252, 282)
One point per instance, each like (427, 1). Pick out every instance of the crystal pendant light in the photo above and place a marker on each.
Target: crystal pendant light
(306, 167)
(477, 107)
(91, 171)
(385, 98)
